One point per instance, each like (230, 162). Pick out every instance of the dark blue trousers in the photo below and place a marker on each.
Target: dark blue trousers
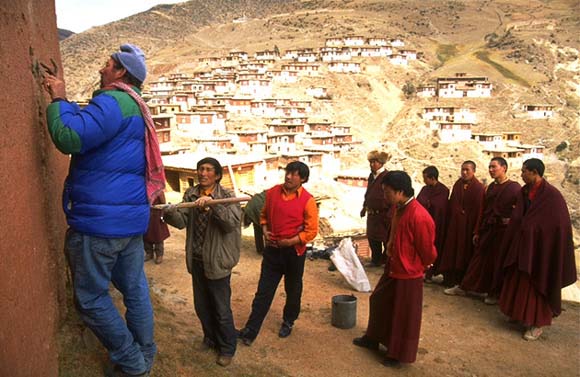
(275, 264)
(211, 299)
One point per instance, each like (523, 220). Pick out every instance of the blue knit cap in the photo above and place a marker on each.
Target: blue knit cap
(133, 60)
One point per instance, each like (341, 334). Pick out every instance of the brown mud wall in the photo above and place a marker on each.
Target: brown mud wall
(32, 225)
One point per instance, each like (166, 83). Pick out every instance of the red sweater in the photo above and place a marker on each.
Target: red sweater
(412, 244)
(286, 218)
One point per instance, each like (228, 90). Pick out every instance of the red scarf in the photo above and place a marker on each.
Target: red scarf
(154, 173)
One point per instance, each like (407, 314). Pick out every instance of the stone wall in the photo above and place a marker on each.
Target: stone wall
(31, 175)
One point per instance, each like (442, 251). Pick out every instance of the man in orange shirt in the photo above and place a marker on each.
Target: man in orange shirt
(289, 220)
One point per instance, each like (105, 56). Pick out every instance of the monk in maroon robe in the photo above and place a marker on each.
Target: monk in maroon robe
(434, 196)
(484, 271)
(376, 209)
(463, 211)
(157, 233)
(540, 253)
(396, 304)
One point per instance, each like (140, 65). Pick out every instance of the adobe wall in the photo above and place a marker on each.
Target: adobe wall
(31, 175)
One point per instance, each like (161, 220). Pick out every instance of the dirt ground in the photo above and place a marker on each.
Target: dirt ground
(459, 337)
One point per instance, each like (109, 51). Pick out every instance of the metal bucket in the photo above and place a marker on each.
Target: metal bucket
(344, 311)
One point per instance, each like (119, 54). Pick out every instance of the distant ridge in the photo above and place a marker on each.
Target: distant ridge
(64, 34)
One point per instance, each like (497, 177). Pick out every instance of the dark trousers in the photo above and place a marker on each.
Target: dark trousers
(258, 238)
(377, 248)
(211, 299)
(275, 264)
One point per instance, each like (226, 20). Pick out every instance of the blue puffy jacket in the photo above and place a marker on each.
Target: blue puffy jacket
(104, 194)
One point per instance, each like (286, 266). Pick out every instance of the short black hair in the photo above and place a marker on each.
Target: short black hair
(213, 162)
(131, 80)
(535, 164)
(470, 163)
(431, 172)
(501, 161)
(300, 167)
(398, 180)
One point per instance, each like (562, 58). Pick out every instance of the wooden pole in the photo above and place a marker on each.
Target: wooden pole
(208, 203)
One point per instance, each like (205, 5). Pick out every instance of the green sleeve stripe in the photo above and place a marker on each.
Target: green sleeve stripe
(64, 138)
(127, 105)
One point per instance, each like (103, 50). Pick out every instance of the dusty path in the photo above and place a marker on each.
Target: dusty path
(460, 336)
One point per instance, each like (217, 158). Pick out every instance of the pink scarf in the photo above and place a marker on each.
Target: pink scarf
(154, 173)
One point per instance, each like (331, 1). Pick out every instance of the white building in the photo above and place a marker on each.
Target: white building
(452, 132)
(539, 111)
(344, 67)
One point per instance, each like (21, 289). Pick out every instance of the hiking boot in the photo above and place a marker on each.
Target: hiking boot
(224, 361)
(365, 342)
(533, 333)
(454, 291)
(148, 256)
(285, 330)
(159, 259)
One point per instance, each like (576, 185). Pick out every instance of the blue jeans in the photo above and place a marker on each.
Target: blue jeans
(95, 263)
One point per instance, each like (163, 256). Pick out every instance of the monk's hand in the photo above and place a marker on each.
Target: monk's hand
(475, 239)
(202, 202)
(363, 212)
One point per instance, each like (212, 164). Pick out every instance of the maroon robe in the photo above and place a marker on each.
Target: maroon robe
(396, 304)
(377, 210)
(484, 272)
(539, 258)
(157, 231)
(434, 199)
(463, 212)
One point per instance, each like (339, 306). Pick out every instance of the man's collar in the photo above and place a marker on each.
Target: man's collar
(101, 90)
(376, 174)
(298, 191)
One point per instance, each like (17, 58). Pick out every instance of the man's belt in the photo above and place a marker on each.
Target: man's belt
(375, 211)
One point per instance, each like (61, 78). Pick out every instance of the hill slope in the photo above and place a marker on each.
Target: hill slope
(528, 49)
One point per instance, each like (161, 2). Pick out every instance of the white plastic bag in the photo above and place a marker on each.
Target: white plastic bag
(346, 261)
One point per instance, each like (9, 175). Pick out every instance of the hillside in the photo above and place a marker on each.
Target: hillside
(528, 49)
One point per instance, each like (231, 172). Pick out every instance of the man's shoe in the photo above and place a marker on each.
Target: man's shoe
(533, 333)
(159, 259)
(391, 363)
(365, 342)
(206, 345)
(454, 291)
(247, 336)
(148, 257)
(118, 372)
(285, 330)
(224, 361)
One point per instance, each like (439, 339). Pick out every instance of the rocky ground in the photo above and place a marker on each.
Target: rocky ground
(460, 336)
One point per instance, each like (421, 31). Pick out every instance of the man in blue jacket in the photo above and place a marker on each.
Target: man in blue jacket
(105, 200)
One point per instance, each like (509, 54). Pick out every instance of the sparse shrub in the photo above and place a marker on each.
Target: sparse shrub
(409, 89)
(563, 145)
